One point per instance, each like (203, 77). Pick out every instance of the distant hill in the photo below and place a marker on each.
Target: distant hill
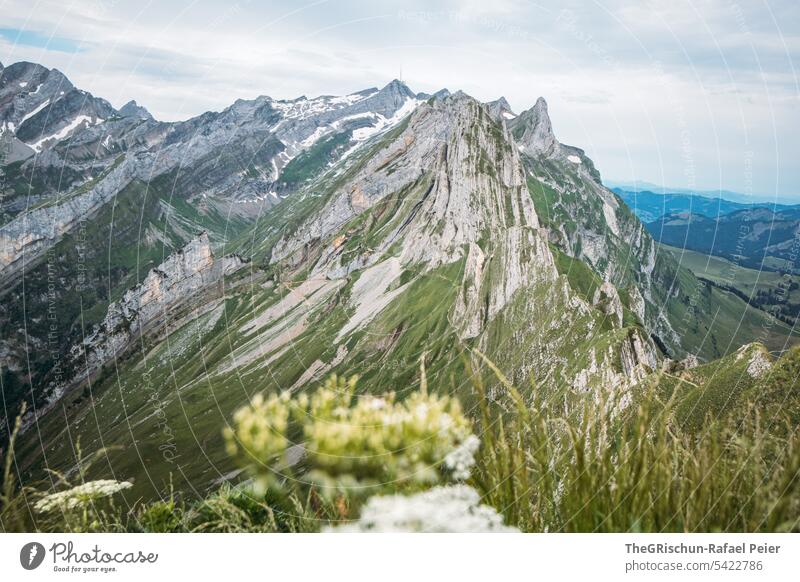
(758, 238)
(730, 195)
(650, 206)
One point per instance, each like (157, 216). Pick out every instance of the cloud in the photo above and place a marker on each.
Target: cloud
(625, 80)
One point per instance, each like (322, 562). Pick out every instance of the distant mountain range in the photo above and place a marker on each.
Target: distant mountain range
(730, 195)
(650, 206)
(758, 238)
(759, 235)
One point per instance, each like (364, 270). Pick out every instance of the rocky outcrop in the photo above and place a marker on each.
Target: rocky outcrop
(759, 361)
(603, 232)
(33, 232)
(133, 109)
(607, 300)
(533, 131)
(619, 368)
(449, 202)
(151, 304)
(500, 110)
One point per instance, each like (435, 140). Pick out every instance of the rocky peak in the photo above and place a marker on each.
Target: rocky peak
(397, 87)
(454, 197)
(133, 109)
(388, 100)
(533, 131)
(24, 87)
(500, 109)
(440, 94)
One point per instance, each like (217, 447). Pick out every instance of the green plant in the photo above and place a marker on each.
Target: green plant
(14, 512)
(351, 447)
(602, 466)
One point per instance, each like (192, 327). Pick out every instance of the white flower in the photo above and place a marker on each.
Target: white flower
(376, 403)
(461, 459)
(455, 508)
(81, 495)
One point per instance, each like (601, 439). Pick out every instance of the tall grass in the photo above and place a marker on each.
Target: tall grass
(600, 467)
(600, 464)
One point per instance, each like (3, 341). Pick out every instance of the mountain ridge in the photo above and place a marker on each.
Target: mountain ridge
(369, 232)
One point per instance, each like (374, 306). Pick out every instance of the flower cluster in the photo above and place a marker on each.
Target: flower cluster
(461, 459)
(455, 508)
(80, 495)
(257, 437)
(357, 442)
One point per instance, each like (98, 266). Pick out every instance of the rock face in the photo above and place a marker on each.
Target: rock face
(453, 204)
(587, 221)
(449, 188)
(182, 282)
(149, 306)
(176, 280)
(448, 206)
(606, 299)
(38, 229)
(533, 130)
(133, 109)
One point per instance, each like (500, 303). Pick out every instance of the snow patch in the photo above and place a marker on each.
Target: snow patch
(348, 100)
(63, 132)
(35, 111)
(508, 115)
(314, 137)
(367, 114)
(364, 133)
(23, 84)
(574, 159)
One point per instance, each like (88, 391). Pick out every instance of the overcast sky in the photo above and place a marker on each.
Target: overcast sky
(692, 94)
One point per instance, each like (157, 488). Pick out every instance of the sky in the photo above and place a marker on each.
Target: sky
(693, 94)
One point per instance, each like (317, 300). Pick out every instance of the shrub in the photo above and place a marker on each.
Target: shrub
(352, 446)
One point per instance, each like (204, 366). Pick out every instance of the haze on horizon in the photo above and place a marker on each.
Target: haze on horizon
(696, 95)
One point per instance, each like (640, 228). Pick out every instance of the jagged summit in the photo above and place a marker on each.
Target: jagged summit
(440, 94)
(500, 109)
(448, 204)
(133, 109)
(533, 130)
(400, 87)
